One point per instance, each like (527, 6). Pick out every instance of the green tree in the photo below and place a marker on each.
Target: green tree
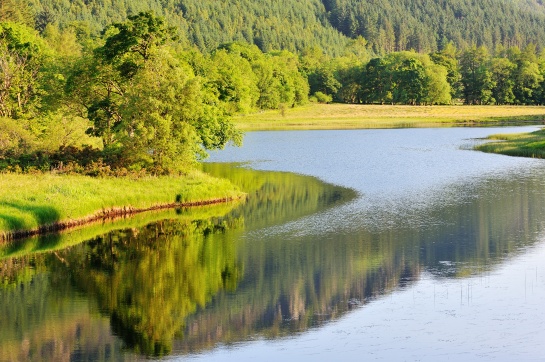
(322, 79)
(145, 102)
(410, 81)
(22, 54)
(502, 75)
(377, 82)
(527, 75)
(447, 57)
(476, 77)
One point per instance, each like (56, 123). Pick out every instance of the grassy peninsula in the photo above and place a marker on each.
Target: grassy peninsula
(518, 144)
(46, 201)
(358, 116)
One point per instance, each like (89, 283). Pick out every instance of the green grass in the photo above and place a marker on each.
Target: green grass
(519, 144)
(28, 202)
(78, 234)
(357, 116)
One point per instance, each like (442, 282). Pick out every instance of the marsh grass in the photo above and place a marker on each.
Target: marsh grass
(358, 116)
(30, 201)
(519, 144)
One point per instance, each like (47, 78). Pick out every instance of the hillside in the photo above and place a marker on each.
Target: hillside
(422, 25)
(387, 25)
(272, 25)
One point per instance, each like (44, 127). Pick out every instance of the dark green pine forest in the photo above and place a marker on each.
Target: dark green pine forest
(387, 25)
(119, 86)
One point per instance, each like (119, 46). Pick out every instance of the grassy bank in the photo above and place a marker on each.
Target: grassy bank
(31, 202)
(58, 241)
(354, 116)
(519, 144)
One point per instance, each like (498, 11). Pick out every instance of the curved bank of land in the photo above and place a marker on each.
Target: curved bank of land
(519, 144)
(33, 204)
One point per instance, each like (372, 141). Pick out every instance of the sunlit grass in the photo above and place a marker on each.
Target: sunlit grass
(30, 201)
(74, 236)
(354, 116)
(519, 144)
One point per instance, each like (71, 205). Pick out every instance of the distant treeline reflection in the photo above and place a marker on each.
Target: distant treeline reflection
(182, 286)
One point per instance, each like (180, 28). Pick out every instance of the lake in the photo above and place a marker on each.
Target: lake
(394, 245)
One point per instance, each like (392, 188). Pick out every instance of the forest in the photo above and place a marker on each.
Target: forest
(100, 87)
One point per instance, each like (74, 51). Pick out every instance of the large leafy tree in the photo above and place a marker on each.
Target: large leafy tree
(476, 77)
(145, 102)
(502, 75)
(22, 54)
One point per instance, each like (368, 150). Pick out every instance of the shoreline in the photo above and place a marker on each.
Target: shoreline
(106, 214)
(33, 204)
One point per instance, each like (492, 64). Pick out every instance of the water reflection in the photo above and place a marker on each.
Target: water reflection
(144, 280)
(298, 280)
(297, 254)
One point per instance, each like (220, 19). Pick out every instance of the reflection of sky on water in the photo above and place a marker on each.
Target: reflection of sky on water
(492, 314)
(397, 172)
(375, 162)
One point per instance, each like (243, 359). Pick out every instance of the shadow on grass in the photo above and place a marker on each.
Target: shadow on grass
(42, 214)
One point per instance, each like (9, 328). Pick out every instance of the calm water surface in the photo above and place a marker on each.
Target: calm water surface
(416, 248)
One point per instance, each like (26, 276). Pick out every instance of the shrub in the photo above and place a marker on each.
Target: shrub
(322, 97)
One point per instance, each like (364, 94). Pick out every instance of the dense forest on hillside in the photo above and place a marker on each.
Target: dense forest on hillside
(284, 24)
(424, 25)
(145, 94)
(388, 25)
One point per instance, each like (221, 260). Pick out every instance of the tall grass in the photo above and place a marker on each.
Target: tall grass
(520, 144)
(353, 116)
(28, 202)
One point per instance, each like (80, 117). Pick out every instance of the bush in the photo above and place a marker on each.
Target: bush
(322, 97)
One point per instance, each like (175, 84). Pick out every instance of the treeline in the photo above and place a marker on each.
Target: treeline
(507, 76)
(140, 97)
(388, 25)
(426, 25)
(134, 98)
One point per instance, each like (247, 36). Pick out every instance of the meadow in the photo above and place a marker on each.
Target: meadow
(358, 116)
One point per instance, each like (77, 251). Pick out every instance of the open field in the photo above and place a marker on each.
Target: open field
(47, 201)
(354, 116)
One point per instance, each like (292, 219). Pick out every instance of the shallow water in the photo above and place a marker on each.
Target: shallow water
(417, 248)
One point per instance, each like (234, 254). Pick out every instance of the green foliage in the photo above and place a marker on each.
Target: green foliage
(405, 78)
(476, 77)
(322, 97)
(427, 25)
(22, 54)
(145, 102)
(17, 11)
